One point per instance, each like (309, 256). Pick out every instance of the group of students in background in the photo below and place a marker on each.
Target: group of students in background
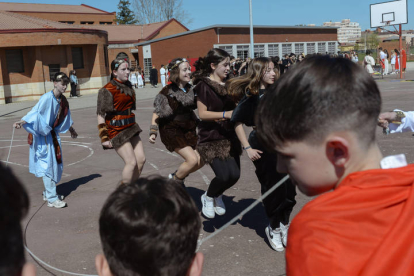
(307, 124)
(385, 60)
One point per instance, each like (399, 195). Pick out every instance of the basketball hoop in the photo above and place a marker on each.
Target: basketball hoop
(387, 23)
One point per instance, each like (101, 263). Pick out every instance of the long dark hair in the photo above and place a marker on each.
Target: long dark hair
(203, 64)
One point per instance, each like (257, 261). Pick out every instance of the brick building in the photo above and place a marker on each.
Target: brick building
(122, 38)
(33, 49)
(70, 14)
(235, 39)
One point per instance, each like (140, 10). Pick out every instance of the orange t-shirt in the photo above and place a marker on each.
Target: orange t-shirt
(364, 227)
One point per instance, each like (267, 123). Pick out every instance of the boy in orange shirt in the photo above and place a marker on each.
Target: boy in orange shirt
(320, 118)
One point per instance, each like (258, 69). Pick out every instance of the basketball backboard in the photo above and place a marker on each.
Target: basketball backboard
(389, 13)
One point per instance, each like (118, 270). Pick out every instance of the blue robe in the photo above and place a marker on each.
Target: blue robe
(39, 122)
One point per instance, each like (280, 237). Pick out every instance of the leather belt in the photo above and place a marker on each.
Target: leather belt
(125, 112)
(122, 122)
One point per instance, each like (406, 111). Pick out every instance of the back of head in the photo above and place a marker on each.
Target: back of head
(14, 204)
(203, 65)
(149, 227)
(319, 96)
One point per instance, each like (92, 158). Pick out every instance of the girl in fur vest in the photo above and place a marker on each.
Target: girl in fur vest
(218, 144)
(175, 119)
(116, 122)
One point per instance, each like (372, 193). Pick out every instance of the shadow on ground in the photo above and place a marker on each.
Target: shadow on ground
(255, 219)
(68, 187)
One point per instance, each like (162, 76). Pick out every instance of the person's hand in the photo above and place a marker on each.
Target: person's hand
(254, 154)
(107, 145)
(17, 125)
(388, 116)
(152, 138)
(73, 133)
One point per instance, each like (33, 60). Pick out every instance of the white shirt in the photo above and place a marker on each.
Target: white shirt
(162, 72)
(383, 55)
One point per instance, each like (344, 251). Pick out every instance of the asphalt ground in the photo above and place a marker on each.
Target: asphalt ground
(69, 239)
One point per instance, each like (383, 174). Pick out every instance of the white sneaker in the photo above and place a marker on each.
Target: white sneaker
(60, 197)
(208, 206)
(219, 206)
(274, 237)
(57, 204)
(284, 229)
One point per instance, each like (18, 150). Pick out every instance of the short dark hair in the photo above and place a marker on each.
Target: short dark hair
(14, 204)
(368, 52)
(149, 227)
(318, 96)
(62, 77)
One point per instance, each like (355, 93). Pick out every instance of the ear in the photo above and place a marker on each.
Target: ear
(114, 73)
(102, 266)
(337, 151)
(196, 266)
(29, 270)
(213, 66)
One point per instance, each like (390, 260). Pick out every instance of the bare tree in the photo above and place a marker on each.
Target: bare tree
(150, 11)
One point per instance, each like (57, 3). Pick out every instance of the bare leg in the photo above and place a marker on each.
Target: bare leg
(126, 152)
(191, 164)
(139, 156)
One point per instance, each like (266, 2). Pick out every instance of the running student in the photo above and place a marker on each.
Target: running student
(247, 91)
(116, 121)
(147, 228)
(175, 118)
(49, 117)
(322, 127)
(218, 144)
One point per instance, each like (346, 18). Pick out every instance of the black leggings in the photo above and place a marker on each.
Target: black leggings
(227, 174)
(279, 204)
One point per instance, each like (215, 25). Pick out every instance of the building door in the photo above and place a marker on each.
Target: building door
(53, 69)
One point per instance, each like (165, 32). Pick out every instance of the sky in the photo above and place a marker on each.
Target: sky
(265, 12)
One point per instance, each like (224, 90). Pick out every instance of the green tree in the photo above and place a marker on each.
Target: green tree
(372, 41)
(125, 15)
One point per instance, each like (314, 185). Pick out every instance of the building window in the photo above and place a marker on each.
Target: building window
(228, 49)
(299, 48)
(87, 22)
(147, 68)
(53, 69)
(273, 50)
(331, 47)
(106, 55)
(105, 23)
(310, 48)
(77, 57)
(242, 51)
(322, 48)
(14, 59)
(259, 51)
(67, 22)
(286, 49)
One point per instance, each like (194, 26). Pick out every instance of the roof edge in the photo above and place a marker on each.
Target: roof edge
(232, 26)
(164, 25)
(97, 9)
(50, 30)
